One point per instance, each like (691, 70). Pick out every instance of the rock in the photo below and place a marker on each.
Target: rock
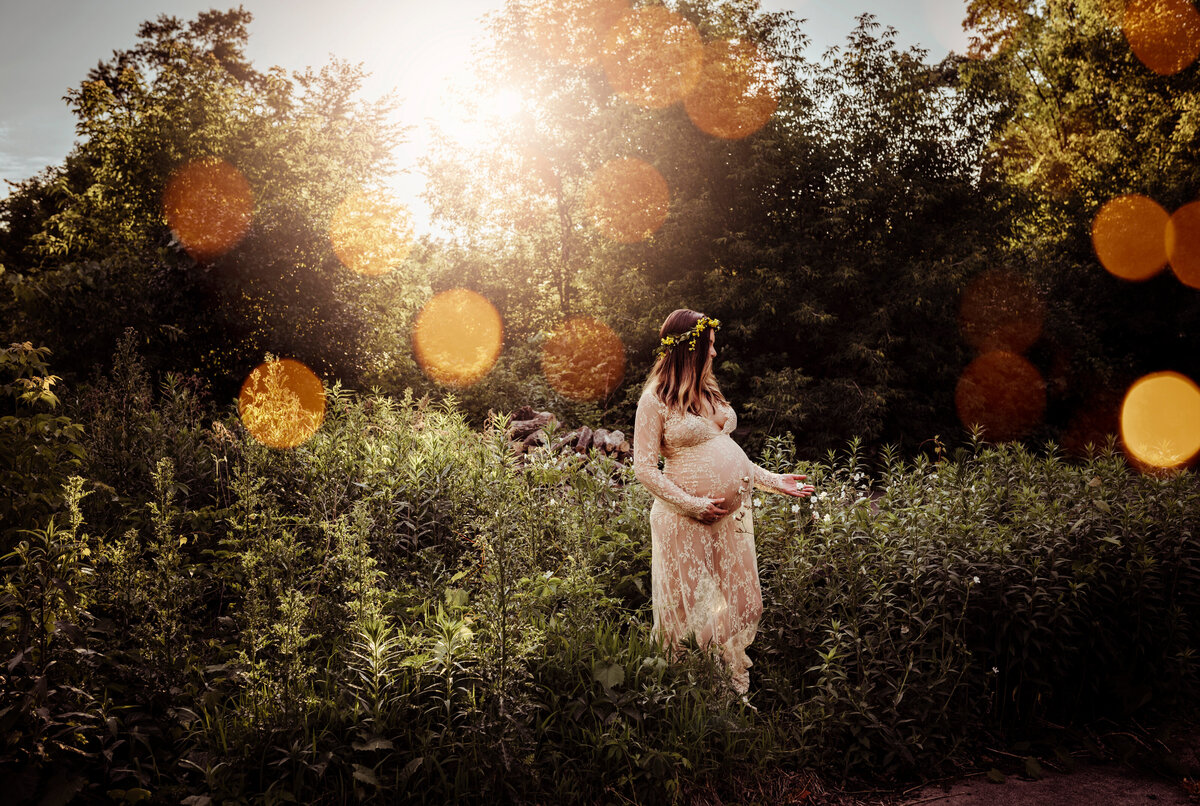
(598, 437)
(536, 438)
(523, 413)
(519, 429)
(585, 440)
(612, 442)
(563, 441)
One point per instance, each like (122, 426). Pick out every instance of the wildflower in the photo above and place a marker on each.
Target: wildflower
(758, 502)
(995, 670)
(975, 580)
(904, 629)
(795, 508)
(827, 518)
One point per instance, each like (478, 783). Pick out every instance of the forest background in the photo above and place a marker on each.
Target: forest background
(898, 251)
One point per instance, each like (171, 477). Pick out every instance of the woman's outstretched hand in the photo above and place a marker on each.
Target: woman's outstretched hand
(713, 512)
(793, 487)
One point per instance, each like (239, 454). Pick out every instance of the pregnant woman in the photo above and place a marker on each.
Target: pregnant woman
(704, 573)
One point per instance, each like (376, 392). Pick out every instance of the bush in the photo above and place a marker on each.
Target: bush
(398, 610)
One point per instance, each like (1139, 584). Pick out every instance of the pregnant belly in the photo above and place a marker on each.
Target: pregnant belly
(717, 468)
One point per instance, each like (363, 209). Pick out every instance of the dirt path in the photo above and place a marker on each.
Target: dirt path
(1087, 785)
(1092, 782)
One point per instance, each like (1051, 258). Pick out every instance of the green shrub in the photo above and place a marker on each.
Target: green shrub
(399, 610)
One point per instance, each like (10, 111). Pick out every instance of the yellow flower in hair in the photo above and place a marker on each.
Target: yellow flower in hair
(669, 342)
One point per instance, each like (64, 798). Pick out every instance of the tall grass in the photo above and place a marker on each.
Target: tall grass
(398, 611)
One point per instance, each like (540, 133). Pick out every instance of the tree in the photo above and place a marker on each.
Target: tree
(1080, 121)
(179, 134)
(833, 241)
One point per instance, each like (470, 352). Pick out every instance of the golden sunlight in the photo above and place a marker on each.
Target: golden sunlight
(573, 31)
(457, 337)
(282, 403)
(1160, 420)
(371, 233)
(584, 359)
(736, 93)
(208, 206)
(628, 200)
(1000, 310)
(1163, 34)
(1003, 393)
(652, 57)
(1129, 235)
(1183, 244)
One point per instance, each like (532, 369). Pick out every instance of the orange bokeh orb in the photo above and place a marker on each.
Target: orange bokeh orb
(1003, 393)
(371, 233)
(628, 200)
(1000, 310)
(573, 31)
(584, 359)
(208, 206)
(457, 337)
(1160, 420)
(736, 93)
(1163, 34)
(282, 403)
(1183, 244)
(652, 57)
(1129, 235)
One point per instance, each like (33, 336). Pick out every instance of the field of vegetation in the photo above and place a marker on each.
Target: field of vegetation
(930, 277)
(400, 610)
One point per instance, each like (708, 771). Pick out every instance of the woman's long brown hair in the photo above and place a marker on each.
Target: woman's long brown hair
(683, 378)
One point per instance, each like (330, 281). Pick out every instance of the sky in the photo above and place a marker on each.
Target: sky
(415, 47)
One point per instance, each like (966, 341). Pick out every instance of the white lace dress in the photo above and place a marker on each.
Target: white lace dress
(704, 577)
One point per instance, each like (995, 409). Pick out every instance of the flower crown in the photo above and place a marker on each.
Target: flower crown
(690, 337)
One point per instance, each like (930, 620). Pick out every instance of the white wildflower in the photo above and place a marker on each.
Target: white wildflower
(995, 670)
(975, 580)
(795, 508)
(827, 519)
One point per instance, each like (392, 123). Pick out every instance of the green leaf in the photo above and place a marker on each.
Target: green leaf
(365, 774)
(995, 776)
(610, 675)
(375, 743)
(1033, 769)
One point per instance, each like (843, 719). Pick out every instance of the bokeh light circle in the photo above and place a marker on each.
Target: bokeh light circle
(1003, 393)
(457, 337)
(1160, 420)
(573, 31)
(652, 57)
(371, 233)
(208, 206)
(584, 359)
(1000, 310)
(1129, 236)
(736, 93)
(1183, 244)
(1163, 34)
(282, 403)
(628, 200)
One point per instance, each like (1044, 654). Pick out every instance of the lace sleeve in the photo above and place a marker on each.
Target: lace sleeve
(647, 439)
(766, 480)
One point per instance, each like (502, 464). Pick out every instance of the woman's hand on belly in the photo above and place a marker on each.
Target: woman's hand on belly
(714, 512)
